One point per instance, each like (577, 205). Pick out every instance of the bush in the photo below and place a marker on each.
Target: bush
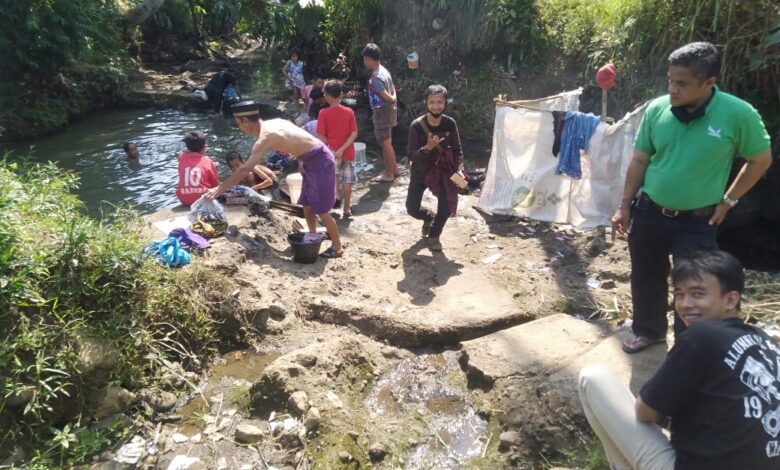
(64, 276)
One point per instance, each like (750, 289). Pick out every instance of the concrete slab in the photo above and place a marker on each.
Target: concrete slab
(170, 217)
(540, 347)
(633, 369)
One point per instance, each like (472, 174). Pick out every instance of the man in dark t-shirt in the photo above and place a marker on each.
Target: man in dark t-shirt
(720, 385)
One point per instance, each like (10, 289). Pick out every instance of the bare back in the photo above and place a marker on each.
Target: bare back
(283, 136)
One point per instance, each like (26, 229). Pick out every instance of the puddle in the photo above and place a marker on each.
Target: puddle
(228, 382)
(456, 434)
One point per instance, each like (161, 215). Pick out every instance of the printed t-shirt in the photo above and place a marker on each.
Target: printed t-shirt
(337, 123)
(720, 384)
(197, 174)
(380, 80)
(690, 163)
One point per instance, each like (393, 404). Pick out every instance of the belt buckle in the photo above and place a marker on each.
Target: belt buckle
(669, 212)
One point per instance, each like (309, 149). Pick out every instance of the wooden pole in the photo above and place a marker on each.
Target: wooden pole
(603, 105)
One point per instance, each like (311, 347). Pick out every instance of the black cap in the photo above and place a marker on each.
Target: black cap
(245, 108)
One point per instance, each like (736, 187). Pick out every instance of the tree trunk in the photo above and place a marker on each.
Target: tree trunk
(142, 12)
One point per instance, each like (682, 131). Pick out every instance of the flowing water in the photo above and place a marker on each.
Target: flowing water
(92, 147)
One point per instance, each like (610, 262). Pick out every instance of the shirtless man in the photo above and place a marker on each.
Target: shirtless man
(318, 167)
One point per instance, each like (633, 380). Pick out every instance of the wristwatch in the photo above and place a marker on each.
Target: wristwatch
(729, 201)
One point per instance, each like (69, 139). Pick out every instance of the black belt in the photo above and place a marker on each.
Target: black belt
(666, 212)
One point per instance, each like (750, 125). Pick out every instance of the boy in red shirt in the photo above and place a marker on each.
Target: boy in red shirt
(197, 172)
(337, 127)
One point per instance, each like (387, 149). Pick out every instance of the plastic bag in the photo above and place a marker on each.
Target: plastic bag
(203, 206)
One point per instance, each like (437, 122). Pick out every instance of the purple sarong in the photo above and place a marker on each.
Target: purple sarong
(318, 190)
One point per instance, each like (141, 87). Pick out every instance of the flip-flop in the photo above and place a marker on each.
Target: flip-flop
(330, 253)
(346, 215)
(640, 343)
(381, 179)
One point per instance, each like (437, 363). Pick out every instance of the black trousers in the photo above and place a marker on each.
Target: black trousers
(214, 94)
(652, 238)
(414, 200)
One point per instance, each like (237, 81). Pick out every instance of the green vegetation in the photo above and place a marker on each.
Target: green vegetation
(64, 277)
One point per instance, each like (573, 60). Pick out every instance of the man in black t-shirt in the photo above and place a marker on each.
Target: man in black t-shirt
(720, 385)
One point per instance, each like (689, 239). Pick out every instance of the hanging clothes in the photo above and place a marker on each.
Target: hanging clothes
(577, 131)
(558, 121)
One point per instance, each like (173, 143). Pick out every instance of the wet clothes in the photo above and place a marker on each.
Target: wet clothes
(318, 190)
(558, 122)
(197, 174)
(720, 384)
(578, 128)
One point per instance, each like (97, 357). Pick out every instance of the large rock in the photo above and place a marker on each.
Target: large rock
(540, 347)
(298, 403)
(111, 400)
(313, 420)
(159, 400)
(96, 358)
(248, 434)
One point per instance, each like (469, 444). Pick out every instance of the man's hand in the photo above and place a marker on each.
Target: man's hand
(720, 213)
(620, 220)
(433, 141)
(211, 194)
(339, 154)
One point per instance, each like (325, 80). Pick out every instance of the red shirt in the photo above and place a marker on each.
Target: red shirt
(337, 123)
(197, 174)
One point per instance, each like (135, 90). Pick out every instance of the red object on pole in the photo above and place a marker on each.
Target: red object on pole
(605, 76)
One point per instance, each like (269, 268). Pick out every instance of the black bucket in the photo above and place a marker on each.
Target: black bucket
(305, 253)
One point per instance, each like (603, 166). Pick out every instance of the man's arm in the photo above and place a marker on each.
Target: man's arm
(386, 97)
(635, 176)
(753, 169)
(645, 413)
(258, 151)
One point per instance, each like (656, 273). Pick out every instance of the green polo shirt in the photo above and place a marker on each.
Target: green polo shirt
(690, 163)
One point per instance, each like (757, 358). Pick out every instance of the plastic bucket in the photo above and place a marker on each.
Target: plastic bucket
(294, 183)
(304, 252)
(360, 153)
(413, 59)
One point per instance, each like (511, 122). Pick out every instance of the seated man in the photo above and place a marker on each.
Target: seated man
(720, 384)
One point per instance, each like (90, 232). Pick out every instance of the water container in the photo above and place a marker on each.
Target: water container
(360, 153)
(305, 247)
(413, 59)
(294, 183)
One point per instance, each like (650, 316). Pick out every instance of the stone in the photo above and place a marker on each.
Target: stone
(159, 400)
(96, 358)
(376, 452)
(313, 420)
(306, 360)
(538, 347)
(298, 403)
(507, 439)
(344, 456)
(608, 284)
(248, 434)
(111, 400)
(20, 398)
(291, 440)
(354, 435)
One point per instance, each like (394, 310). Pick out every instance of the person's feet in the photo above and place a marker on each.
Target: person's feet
(434, 244)
(332, 253)
(638, 343)
(383, 178)
(426, 228)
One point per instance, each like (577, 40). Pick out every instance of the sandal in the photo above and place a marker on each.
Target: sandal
(381, 179)
(640, 343)
(346, 215)
(330, 253)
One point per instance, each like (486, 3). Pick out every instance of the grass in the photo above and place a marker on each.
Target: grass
(64, 276)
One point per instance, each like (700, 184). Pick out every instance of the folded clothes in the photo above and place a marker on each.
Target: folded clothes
(189, 239)
(168, 251)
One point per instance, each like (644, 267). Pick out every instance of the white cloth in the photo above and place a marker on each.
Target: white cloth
(609, 406)
(521, 177)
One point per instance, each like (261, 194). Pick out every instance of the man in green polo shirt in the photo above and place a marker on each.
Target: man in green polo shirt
(682, 158)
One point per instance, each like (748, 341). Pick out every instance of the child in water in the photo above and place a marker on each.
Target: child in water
(261, 177)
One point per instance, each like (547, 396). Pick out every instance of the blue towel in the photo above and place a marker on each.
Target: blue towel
(169, 252)
(577, 131)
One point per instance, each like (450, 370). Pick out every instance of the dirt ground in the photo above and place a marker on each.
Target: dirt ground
(388, 342)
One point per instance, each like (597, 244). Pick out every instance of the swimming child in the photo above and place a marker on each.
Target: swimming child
(261, 177)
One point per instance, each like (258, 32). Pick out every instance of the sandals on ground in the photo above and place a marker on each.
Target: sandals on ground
(330, 253)
(639, 343)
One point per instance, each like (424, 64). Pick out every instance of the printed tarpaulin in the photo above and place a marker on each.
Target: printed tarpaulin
(521, 177)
